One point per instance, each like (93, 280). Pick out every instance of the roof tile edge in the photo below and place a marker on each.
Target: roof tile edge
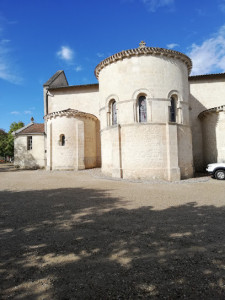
(22, 128)
(216, 109)
(69, 113)
(143, 51)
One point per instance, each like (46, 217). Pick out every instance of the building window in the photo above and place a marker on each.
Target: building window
(112, 113)
(62, 140)
(29, 143)
(173, 109)
(142, 109)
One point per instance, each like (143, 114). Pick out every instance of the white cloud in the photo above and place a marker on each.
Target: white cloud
(6, 69)
(222, 6)
(209, 57)
(171, 46)
(78, 68)
(100, 54)
(25, 112)
(15, 113)
(153, 5)
(7, 66)
(2, 42)
(65, 53)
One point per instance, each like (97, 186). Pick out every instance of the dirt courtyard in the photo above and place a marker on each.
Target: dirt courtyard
(77, 235)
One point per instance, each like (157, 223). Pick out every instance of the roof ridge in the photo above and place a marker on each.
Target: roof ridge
(33, 128)
(22, 128)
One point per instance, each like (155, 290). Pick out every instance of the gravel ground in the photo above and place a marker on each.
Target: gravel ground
(80, 235)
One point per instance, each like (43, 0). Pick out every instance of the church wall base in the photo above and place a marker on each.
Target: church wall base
(144, 174)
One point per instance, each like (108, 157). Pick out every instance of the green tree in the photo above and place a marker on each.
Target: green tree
(9, 149)
(15, 126)
(3, 142)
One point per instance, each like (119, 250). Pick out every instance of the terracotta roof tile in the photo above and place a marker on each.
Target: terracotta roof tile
(143, 51)
(34, 128)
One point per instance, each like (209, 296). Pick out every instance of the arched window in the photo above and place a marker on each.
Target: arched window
(62, 140)
(142, 109)
(173, 109)
(112, 113)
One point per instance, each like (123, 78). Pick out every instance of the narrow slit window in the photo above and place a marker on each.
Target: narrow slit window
(114, 113)
(142, 109)
(62, 140)
(173, 109)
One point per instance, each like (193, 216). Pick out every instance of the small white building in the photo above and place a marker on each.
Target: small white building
(29, 146)
(147, 118)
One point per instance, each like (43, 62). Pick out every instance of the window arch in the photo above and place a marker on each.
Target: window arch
(173, 109)
(142, 109)
(62, 140)
(112, 112)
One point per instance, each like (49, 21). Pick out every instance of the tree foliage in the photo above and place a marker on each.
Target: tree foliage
(7, 139)
(15, 126)
(3, 142)
(2, 131)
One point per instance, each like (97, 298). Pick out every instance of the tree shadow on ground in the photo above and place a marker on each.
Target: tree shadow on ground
(9, 167)
(80, 244)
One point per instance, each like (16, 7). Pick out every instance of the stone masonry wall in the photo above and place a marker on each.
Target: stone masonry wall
(81, 147)
(150, 150)
(204, 94)
(84, 99)
(213, 125)
(34, 158)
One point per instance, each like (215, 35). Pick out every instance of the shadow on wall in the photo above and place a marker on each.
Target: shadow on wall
(197, 139)
(95, 160)
(210, 144)
(24, 159)
(77, 244)
(98, 144)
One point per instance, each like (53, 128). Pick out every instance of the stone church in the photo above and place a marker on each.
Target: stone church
(147, 118)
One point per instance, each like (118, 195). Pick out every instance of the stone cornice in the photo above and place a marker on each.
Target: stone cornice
(217, 109)
(148, 99)
(143, 51)
(31, 133)
(137, 124)
(69, 113)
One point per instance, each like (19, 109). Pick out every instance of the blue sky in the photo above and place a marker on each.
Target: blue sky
(39, 37)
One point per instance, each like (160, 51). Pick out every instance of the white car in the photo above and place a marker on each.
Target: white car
(217, 170)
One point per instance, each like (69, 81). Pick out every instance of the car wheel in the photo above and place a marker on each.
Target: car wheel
(220, 174)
